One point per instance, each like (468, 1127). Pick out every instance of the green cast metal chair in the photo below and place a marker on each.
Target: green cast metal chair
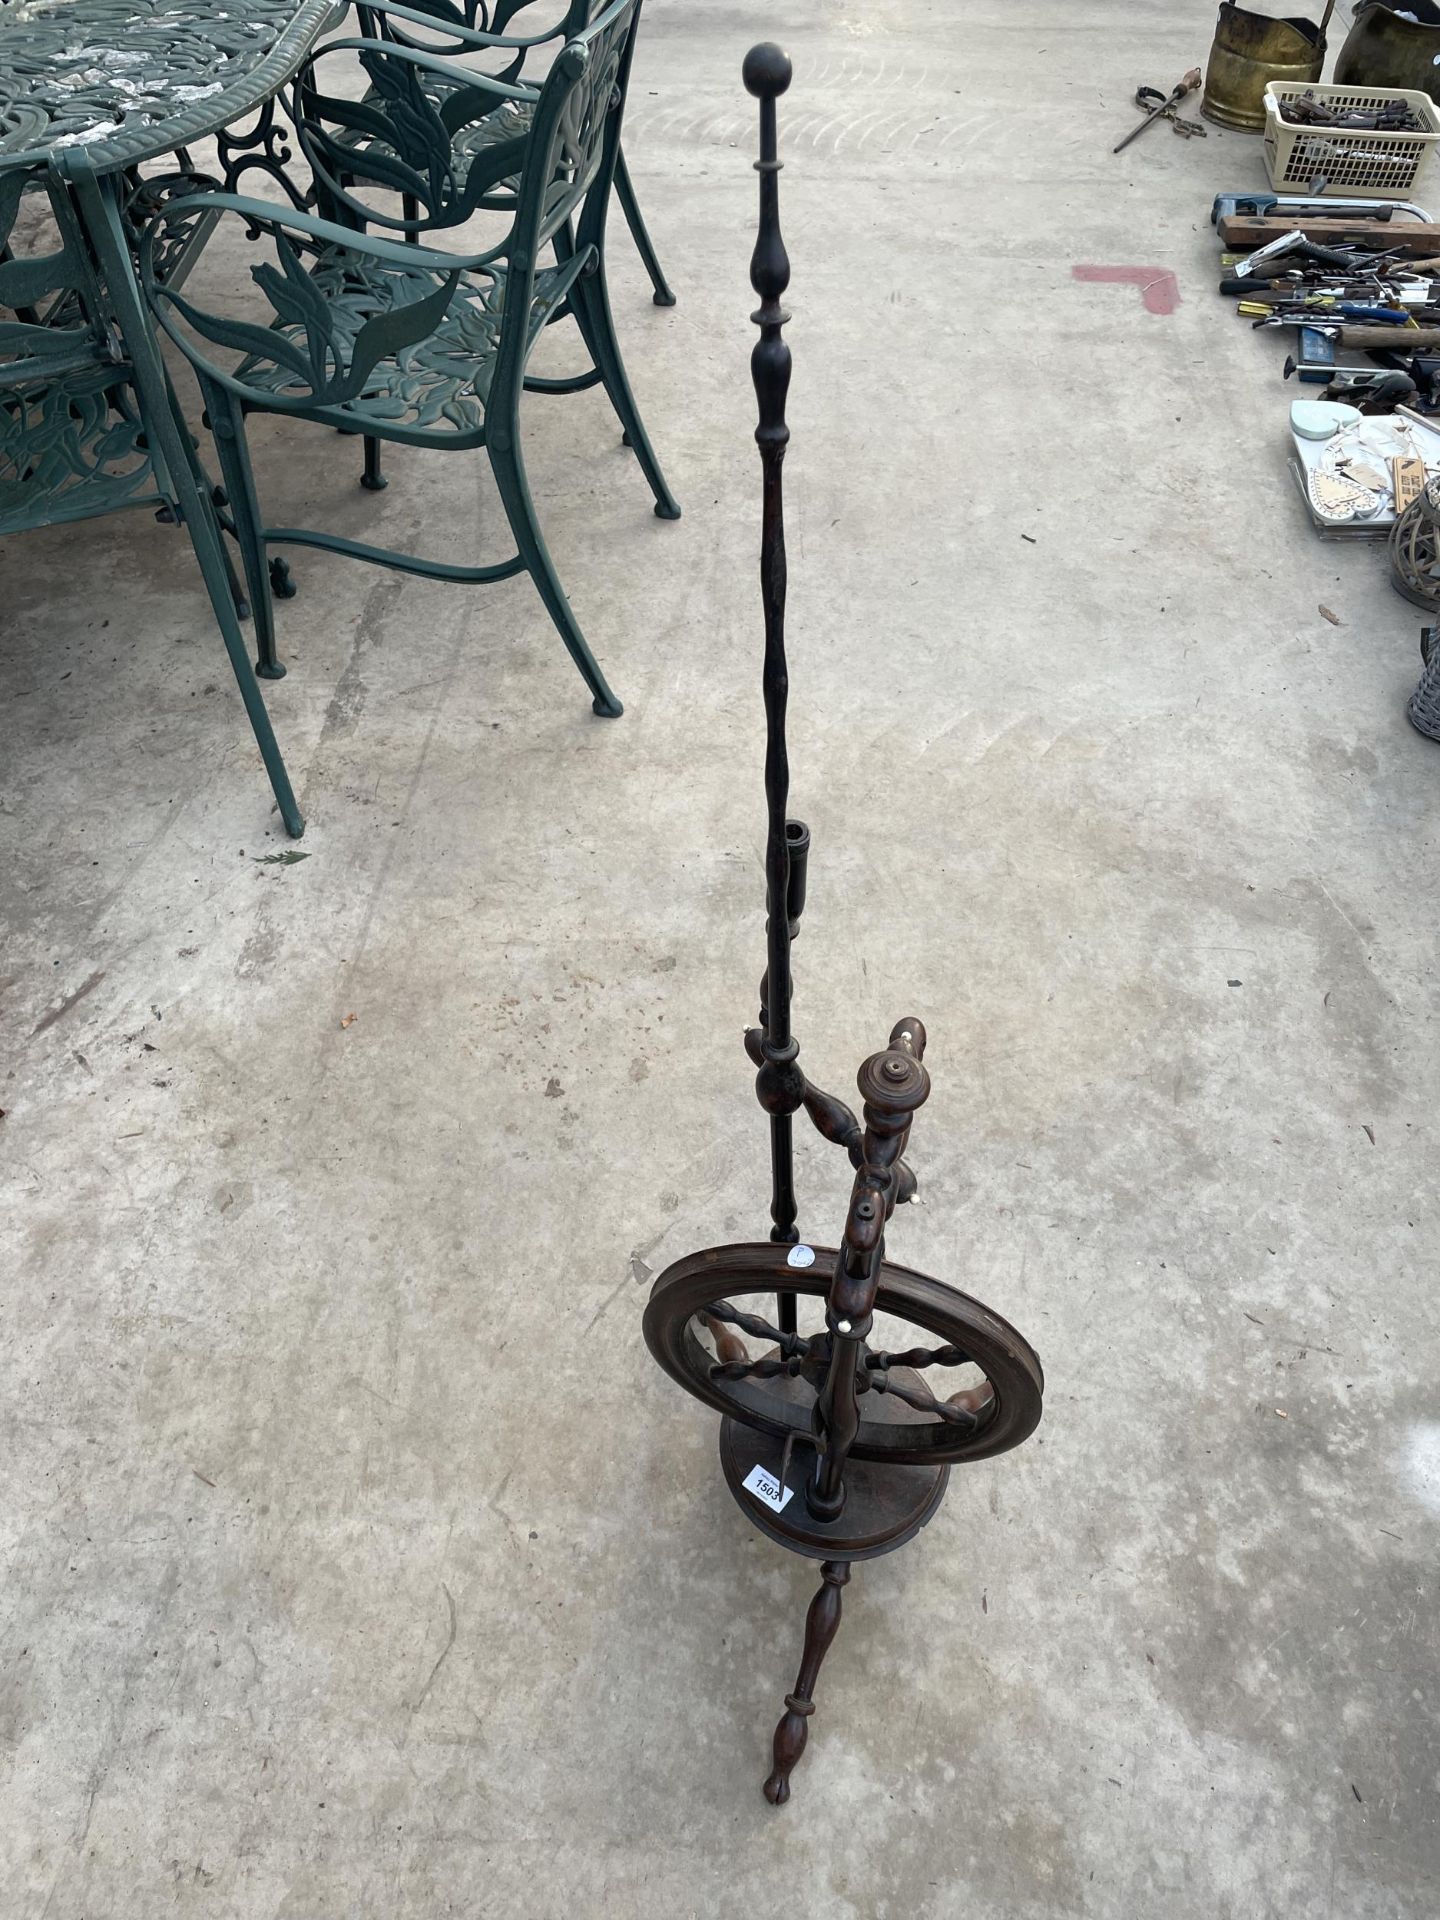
(74, 438)
(477, 27)
(404, 342)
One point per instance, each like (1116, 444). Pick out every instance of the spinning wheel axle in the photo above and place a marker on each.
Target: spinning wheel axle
(882, 1440)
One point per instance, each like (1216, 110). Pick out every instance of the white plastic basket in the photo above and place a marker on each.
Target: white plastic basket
(1349, 161)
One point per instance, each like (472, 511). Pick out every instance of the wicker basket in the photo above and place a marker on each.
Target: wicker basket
(1385, 165)
(1423, 709)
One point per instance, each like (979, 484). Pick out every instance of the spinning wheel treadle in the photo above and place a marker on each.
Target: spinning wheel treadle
(838, 1434)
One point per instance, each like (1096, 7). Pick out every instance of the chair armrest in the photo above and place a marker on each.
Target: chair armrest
(272, 215)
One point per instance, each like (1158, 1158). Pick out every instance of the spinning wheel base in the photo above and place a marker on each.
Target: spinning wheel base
(884, 1506)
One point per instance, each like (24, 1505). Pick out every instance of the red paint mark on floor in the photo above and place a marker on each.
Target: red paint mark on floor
(1159, 288)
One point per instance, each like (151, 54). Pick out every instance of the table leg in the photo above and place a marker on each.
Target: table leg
(100, 213)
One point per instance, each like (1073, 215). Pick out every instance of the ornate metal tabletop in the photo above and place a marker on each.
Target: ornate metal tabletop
(131, 79)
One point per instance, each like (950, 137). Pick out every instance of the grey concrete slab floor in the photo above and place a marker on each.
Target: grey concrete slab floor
(356, 1558)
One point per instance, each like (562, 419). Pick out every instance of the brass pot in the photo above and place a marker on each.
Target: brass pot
(1249, 49)
(1382, 50)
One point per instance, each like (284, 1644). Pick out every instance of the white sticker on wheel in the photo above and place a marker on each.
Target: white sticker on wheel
(766, 1488)
(800, 1257)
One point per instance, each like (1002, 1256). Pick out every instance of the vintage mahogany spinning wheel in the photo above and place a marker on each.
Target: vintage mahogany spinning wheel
(872, 1421)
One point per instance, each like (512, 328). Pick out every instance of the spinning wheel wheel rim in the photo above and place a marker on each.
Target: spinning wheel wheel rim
(701, 1280)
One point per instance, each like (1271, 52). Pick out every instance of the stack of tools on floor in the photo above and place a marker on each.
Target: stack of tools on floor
(1341, 260)
(1395, 115)
(1359, 276)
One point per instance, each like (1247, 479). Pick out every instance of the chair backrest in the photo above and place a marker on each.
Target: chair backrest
(580, 118)
(50, 305)
(558, 164)
(71, 441)
(470, 22)
(433, 143)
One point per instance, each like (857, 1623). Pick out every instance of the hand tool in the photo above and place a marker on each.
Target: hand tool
(1367, 336)
(1424, 370)
(1162, 106)
(1313, 361)
(1372, 389)
(1316, 313)
(1386, 116)
(1285, 206)
(1406, 293)
(1397, 339)
(1357, 260)
(1408, 240)
(1287, 247)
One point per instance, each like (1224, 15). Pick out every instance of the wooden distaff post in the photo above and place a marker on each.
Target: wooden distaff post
(779, 1084)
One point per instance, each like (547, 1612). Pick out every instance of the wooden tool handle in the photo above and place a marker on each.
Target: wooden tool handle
(1390, 339)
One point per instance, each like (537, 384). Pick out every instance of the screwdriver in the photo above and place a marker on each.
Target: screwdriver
(1325, 309)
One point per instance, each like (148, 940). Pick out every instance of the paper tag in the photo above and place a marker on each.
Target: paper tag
(800, 1257)
(765, 1487)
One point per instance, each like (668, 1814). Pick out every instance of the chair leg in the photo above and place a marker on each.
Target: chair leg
(372, 479)
(207, 539)
(503, 446)
(630, 207)
(591, 301)
(172, 516)
(237, 591)
(227, 424)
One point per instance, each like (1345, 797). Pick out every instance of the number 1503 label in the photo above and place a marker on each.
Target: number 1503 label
(766, 1488)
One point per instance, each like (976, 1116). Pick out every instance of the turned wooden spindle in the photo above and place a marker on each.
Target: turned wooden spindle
(729, 1347)
(822, 1622)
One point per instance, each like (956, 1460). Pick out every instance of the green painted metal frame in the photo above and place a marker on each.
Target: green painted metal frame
(473, 26)
(365, 327)
(87, 421)
(90, 93)
(72, 444)
(99, 200)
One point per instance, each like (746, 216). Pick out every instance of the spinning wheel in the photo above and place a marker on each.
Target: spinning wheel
(723, 1350)
(849, 1386)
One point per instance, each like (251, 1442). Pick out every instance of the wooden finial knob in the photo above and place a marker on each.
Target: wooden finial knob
(767, 71)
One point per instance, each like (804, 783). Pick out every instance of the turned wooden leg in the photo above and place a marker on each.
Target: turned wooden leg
(821, 1625)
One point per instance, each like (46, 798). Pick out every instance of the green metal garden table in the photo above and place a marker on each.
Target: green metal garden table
(93, 89)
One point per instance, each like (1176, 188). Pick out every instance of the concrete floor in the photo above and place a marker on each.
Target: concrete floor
(357, 1559)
